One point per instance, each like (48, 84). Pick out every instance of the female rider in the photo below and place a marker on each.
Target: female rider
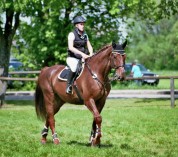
(79, 47)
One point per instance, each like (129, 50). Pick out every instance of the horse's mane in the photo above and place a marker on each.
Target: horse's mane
(100, 50)
(103, 48)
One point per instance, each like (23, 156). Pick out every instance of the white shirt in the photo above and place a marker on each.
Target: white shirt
(71, 36)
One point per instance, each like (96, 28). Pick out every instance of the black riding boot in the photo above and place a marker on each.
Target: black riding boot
(70, 81)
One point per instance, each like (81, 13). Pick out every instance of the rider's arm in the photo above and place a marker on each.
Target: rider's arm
(71, 47)
(90, 48)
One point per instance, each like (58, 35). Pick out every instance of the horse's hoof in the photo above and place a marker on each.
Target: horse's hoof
(95, 142)
(43, 141)
(56, 141)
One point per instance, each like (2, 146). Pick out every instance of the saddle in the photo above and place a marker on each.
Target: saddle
(63, 75)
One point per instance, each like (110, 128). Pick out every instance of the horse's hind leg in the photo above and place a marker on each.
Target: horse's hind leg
(51, 121)
(44, 133)
(52, 107)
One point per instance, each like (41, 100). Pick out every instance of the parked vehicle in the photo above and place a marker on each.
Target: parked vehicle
(15, 65)
(146, 73)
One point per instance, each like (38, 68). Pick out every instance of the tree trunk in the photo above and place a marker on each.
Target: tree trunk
(6, 36)
(5, 47)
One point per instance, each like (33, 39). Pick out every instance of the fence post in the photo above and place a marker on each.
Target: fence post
(3, 86)
(172, 92)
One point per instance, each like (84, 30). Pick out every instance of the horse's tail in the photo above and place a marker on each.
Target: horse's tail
(39, 103)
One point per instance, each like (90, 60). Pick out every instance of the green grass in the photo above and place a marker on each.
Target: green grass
(163, 84)
(131, 127)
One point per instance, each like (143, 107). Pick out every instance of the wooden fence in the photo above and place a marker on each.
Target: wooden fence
(172, 86)
(171, 78)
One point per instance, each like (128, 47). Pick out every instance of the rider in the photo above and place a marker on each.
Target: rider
(78, 47)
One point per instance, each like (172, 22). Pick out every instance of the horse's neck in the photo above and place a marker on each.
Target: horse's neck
(100, 63)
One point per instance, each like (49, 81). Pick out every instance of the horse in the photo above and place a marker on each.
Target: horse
(93, 86)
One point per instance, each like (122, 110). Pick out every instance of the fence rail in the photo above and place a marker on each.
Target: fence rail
(24, 72)
(172, 88)
(17, 79)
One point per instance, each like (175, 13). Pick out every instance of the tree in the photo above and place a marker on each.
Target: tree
(52, 21)
(43, 40)
(156, 45)
(11, 12)
(152, 10)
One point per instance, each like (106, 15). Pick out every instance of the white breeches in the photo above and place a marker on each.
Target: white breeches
(72, 63)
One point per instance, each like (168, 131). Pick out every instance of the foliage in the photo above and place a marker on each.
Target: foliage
(52, 21)
(152, 10)
(131, 127)
(155, 46)
(42, 33)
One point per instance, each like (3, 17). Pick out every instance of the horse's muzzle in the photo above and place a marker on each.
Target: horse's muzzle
(120, 74)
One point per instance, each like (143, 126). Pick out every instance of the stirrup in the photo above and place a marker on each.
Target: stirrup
(69, 89)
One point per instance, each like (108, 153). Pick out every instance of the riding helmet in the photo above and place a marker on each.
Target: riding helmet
(79, 19)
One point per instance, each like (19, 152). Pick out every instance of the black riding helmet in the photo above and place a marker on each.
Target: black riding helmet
(79, 19)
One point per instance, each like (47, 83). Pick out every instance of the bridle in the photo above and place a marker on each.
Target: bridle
(121, 53)
(114, 65)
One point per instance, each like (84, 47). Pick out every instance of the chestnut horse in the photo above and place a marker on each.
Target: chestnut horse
(93, 86)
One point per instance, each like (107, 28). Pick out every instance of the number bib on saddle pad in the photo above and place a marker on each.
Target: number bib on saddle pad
(64, 73)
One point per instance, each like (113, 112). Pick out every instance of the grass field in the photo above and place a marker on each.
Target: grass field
(131, 128)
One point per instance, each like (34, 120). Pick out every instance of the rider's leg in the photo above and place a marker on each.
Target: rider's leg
(70, 81)
(72, 63)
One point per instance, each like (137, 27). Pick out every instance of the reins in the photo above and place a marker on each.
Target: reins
(94, 76)
(111, 62)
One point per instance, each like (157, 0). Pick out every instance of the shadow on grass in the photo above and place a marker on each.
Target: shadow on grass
(89, 145)
(150, 100)
(147, 101)
(20, 102)
(159, 100)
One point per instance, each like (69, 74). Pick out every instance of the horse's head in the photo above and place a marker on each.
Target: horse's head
(118, 59)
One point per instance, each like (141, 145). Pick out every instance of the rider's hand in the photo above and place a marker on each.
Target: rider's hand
(84, 56)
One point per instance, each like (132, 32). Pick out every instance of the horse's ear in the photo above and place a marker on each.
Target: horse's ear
(113, 44)
(124, 44)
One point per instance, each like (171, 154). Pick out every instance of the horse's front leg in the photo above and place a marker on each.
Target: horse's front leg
(93, 132)
(96, 134)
